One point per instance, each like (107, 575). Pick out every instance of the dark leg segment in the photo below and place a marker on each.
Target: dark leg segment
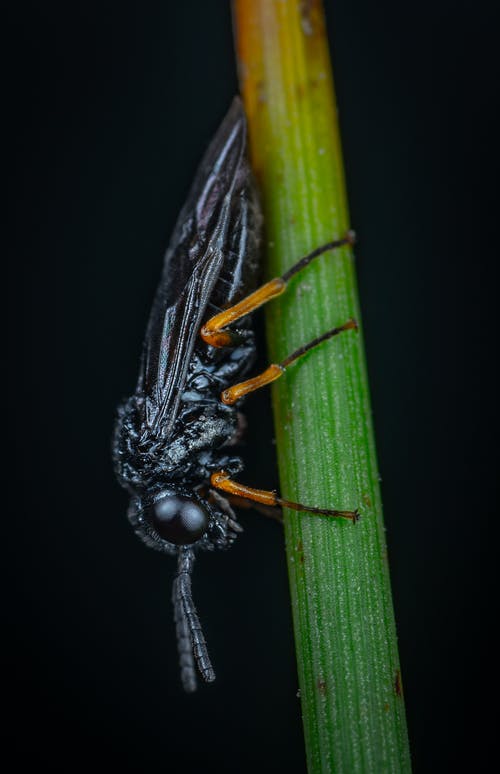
(348, 326)
(349, 239)
(185, 613)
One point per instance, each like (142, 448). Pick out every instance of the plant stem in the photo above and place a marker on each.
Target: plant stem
(348, 667)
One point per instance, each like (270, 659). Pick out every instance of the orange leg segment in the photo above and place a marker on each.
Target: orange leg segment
(222, 481)
(275, 370)
(237, 391)
(212, 332)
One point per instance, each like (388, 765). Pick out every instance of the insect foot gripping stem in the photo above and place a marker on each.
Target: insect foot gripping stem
(191, 643)
(222, 481)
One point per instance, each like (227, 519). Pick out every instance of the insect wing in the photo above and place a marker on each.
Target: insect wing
(192, 266)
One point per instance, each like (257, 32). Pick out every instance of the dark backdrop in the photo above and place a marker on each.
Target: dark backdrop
(112, 105)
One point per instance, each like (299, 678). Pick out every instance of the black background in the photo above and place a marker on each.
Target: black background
(111, 106)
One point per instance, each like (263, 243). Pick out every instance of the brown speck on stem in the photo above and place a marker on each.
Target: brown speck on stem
(300, 551)
(321, 683)
(367, 501)
(305, 7)
(398, 686)
(261, 91)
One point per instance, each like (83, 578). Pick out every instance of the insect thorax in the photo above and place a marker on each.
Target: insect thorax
(146, 461)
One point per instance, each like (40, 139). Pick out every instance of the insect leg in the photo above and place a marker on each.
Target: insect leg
(275, 370)
(269, 511)
(222, 481)
(213, 332)
(182, 590)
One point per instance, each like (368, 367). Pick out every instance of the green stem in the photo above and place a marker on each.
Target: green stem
(349, 674)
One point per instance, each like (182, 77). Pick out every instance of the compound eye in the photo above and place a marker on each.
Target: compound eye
(178, 520)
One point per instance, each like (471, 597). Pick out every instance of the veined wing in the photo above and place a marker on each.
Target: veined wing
(193, 263)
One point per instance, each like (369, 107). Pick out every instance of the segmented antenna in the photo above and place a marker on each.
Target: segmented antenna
(191, 643)
(184, 647)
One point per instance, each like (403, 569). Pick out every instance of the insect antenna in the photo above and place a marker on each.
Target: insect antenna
(184, 647)
(191, 643)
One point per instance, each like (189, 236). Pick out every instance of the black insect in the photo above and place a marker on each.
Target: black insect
(174, 438)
